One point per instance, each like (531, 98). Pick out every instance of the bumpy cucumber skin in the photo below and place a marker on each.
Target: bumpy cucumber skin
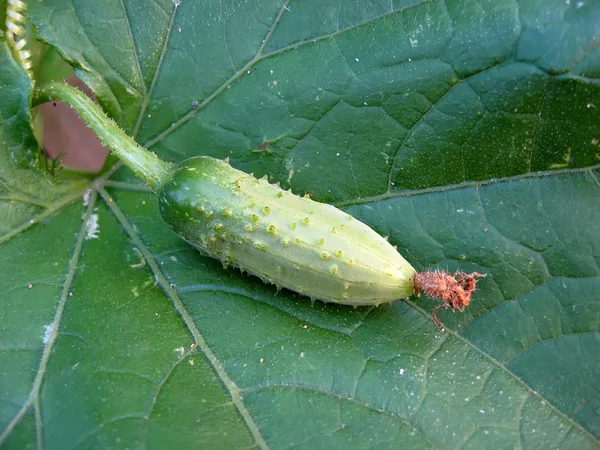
(312, 248)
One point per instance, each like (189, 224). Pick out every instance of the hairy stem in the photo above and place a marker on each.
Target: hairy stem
(145, 164)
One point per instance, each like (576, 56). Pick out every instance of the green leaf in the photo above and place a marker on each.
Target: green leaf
(466, 131)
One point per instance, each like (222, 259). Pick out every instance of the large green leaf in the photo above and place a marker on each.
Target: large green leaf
(467, 131)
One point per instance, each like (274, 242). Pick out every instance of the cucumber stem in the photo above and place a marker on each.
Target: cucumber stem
(144, 163)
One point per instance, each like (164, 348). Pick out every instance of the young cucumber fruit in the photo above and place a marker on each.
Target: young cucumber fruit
(293, 242)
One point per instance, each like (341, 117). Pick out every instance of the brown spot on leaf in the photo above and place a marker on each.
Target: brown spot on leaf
(264, 146)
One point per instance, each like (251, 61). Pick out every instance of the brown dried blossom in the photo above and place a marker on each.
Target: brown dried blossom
(454, 290)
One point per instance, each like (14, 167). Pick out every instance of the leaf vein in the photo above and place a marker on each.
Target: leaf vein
(465, 184)
(519, 380)
(148, 94)
(283, 386)
(138, 67)
(34, 396)
(170, 291)
(186, 117)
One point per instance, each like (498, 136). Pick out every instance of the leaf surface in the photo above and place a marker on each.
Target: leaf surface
(466, 131)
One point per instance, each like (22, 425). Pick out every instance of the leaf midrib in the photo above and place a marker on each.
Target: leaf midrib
(199, 341)
(34, 396)
(511, 374)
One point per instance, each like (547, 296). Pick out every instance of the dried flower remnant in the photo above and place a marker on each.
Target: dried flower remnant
(454, 290)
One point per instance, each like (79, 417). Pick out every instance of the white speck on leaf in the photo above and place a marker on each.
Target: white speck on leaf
(47, 333)
(131, 91)
(87, 196)
(142, 262)
(413, 35)
(92, 227)
(290, 168)
(401, 371)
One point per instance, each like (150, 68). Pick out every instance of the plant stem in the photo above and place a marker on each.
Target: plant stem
(145, 164)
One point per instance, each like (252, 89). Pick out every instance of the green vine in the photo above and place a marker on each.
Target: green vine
(144, 164)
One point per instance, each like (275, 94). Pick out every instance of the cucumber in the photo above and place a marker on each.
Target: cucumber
(293, 242)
